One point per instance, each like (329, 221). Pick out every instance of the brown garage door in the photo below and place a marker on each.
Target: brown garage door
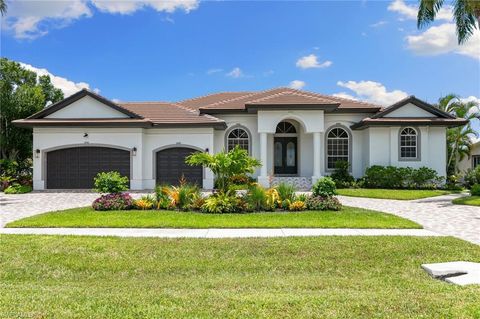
(171, 167)
(75, 168)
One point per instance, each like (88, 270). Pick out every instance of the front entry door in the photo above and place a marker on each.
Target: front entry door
(285, 155)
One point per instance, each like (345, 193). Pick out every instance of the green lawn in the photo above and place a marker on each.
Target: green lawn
(402, 194)
(348, 217)
(467, 200)
(311, 277)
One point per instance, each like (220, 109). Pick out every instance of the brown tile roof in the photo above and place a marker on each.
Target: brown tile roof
(169, 113)
(367, 122)
(197, 102)
(278, 96)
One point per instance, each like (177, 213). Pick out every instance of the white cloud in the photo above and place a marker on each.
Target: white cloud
(345, 95)
(378, 24)
(68, 87)
(297, 84)
(311, 61)
(213, 71)
(371, 91)
(410, 11)
(442, 39)
(34, 18)
(471, 98)
(235, 73)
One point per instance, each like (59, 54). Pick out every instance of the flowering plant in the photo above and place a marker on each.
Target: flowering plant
(114, 201)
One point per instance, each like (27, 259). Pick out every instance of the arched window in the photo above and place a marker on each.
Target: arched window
(240, 137)
(408, 143)
(285, 127)
(337, 146)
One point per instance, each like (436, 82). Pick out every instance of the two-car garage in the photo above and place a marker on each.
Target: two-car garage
(75, 167)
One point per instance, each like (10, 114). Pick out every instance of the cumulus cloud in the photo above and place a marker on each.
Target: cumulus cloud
(235, 73)
(311, 61)
(33, 19)
(371, 91)
(68, 87)
(297, 84)
(443, 39)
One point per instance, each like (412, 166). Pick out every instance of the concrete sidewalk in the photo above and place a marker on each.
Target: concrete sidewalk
(218, 232)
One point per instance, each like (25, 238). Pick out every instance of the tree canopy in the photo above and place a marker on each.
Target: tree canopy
(22, 93)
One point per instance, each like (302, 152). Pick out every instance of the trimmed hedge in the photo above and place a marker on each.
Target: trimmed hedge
(401, 177)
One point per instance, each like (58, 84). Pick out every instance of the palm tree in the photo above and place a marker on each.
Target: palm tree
(3, 7)
(459, 139)
(465, 12)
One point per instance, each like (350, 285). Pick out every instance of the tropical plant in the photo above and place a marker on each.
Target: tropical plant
(110, 182)
(459, 139)
(475, 191)
(17, 188)
(225, 165)
(145, 202)
(220, 203)
(3, 7)
(183, 196)
(466, 14)
(286, 191)
(297, 205)
(256, 197)
(113, 201)
(22, 93)
(341, 176)
(471, 177)
(324, 187)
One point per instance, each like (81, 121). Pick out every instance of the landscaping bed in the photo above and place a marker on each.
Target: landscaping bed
(400, 194)
(348, 217)
(311, 277)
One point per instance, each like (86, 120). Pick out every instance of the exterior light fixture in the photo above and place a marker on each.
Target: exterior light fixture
(85, 135)
(206, 150)
(134, 151)
(37, 153)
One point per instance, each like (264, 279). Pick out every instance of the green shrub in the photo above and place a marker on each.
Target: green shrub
(110, 182)
(475, 191)
(16, 188)
(341, 176)
(323, 203)
(256, 198)
(471, 177)
(220, 203)
(324, 187)
(286, 191)
(377, 176)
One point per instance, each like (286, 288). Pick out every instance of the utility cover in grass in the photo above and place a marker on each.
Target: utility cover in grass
(456, 272)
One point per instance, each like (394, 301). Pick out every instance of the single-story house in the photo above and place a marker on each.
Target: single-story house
(471, 161)
(297, 135)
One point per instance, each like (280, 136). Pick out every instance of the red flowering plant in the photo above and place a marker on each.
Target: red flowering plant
(113, 201)
(111, 185)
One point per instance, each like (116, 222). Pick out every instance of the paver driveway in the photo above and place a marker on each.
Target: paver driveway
(435, 213)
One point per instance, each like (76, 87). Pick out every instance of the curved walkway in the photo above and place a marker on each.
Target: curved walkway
(437, 214)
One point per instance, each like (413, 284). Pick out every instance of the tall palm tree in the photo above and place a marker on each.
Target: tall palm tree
(459, 139)
(3, 7)
(465, 12)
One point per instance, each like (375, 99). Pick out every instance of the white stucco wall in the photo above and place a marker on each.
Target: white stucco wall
(87, 108)
(467, 162)
(410, 110)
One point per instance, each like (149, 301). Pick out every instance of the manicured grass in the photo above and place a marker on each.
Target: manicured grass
(468, 200)
(312, 277)
(402, 194)
(348, 217)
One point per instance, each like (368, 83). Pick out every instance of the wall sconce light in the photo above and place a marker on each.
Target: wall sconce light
(37, 153)
(85, 135)
(134, 151)
(206, 150)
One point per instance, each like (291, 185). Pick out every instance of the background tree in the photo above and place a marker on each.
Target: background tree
(459, 139)
(466, 14)
(22, 93)
(3, 7)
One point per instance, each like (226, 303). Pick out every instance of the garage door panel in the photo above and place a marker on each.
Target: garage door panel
(171, 166)
(75, 168)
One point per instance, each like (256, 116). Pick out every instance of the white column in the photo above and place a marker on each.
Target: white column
(316, 157)
(263, 178)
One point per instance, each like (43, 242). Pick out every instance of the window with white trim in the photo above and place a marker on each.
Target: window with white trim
(338, 141)
(240, 137)
(475, 160)
(408, 143)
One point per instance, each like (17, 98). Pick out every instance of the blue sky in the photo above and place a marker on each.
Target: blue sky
(143, 51)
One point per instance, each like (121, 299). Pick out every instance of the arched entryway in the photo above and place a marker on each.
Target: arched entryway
(285, 149)
(171, 167)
